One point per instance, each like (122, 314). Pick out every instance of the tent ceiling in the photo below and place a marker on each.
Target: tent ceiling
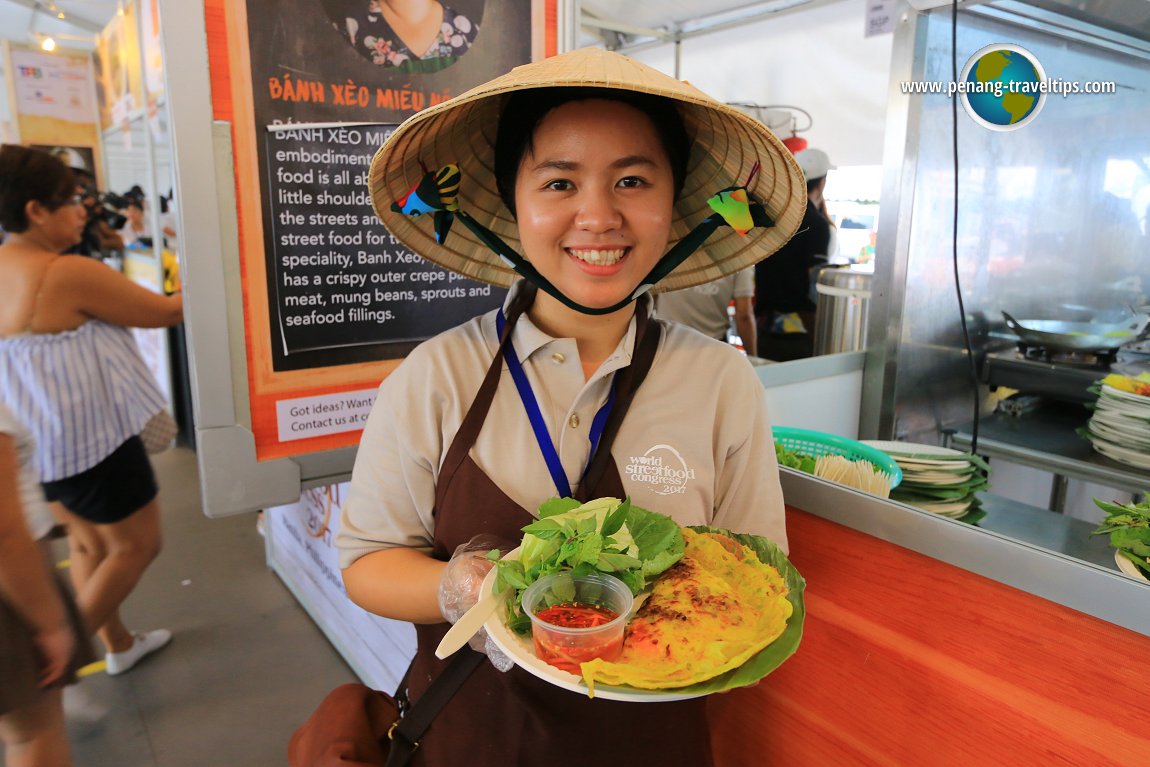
(619, 23)
(622, 23)
(22, 20)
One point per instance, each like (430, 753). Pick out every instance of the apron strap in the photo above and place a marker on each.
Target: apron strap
(647, 335)
(477, 413)
(646, 344)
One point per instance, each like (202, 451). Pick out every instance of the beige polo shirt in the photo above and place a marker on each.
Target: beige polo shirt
(696, 444)
(704, 307)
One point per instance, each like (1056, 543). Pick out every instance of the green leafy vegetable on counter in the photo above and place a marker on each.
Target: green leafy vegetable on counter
(1129, 527)
(793, 459)
(603, 535)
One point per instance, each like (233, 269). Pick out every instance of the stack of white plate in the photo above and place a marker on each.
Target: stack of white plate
(1120, 427)
(937, 479)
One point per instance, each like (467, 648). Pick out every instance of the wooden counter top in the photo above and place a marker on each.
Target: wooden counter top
(906, 660)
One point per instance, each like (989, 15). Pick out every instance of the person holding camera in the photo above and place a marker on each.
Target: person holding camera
(70, 367)
(99, 237)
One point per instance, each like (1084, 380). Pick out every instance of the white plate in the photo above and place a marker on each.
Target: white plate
(929, 467)
(1138, 449)
(946, 508)
(1121, 409)
(1124, 423)
(1128, 567)
(1119, 437)
(1135, 458)
(1118, 394)
(1135, 409)
(521, 650)
(1119, 428)
(939, 479)
(898, 450)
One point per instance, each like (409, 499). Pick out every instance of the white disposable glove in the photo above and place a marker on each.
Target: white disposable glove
(459, 590)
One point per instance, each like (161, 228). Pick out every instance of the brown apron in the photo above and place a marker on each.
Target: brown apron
(509, 719)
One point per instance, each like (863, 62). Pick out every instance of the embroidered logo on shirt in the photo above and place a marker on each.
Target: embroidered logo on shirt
(662, 468)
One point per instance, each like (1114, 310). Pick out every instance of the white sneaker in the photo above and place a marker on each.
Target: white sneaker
(145, 644)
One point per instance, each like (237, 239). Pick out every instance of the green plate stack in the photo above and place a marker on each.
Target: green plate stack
(938, 479)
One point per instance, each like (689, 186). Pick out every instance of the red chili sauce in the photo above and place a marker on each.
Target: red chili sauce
(567, 651)
(576, 615)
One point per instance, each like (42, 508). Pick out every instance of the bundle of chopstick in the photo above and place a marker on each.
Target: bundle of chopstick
(858, 474)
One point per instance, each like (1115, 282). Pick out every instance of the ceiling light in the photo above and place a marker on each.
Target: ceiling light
(48, 44)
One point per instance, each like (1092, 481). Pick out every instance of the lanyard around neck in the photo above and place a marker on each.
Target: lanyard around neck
(535, 415)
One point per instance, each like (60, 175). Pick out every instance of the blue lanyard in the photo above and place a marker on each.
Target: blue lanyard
(535, 416)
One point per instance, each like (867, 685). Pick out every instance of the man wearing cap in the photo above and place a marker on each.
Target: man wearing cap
(784, 301)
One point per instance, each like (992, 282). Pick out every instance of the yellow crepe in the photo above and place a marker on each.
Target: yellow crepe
(714, 609)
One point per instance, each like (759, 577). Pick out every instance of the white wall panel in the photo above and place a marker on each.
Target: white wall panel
(815, 58)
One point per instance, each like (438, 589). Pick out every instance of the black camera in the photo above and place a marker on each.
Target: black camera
(113, 200)
(103, 207)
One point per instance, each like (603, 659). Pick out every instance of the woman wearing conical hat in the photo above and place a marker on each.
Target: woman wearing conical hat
(582, 182)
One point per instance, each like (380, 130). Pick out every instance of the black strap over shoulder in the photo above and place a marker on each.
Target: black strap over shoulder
(477, 412)
(405, 734)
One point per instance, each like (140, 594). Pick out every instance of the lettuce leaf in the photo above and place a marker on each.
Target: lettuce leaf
(1128, 525)
(604, 534)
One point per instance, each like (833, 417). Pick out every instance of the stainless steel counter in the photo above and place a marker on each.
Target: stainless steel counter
(1046, 529)
(1046, 440)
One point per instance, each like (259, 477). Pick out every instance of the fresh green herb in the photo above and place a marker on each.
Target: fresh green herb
(604, 535)
(793, 459)
(1129, 527)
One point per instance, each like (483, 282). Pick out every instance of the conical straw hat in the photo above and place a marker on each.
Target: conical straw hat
(725, 146)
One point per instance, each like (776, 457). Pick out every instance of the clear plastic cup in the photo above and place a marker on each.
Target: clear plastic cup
(575, 619)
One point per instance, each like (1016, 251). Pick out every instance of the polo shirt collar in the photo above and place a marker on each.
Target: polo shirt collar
(528, 338)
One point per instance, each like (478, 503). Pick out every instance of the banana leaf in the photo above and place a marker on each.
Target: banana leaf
(909, 495)
(934, 496)
(975, 515)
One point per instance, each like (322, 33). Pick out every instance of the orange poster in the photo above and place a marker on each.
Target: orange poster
(331, 302)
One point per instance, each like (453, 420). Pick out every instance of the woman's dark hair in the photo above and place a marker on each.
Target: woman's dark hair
(30, 174)
(525, 109)
(134, 198)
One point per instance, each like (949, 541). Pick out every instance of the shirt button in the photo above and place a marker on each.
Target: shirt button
(573, 421)
(558, 358)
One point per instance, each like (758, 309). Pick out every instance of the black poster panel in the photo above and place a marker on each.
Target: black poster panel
(340, 289)
(340, 279)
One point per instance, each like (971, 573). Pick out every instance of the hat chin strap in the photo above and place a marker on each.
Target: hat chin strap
(436, 194)
(675, 256)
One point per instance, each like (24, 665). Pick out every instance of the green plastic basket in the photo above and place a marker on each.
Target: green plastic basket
(816, 443)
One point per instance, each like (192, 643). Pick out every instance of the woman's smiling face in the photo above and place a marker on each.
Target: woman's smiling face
(594, 197)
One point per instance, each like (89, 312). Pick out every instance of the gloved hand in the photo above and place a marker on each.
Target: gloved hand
(459, 590)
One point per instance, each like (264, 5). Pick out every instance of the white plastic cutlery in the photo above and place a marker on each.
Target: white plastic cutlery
(469, 623)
